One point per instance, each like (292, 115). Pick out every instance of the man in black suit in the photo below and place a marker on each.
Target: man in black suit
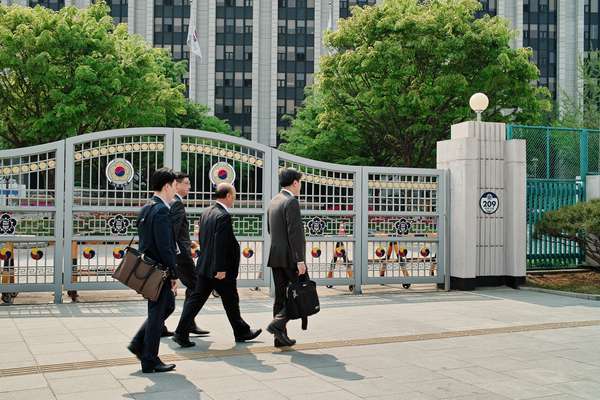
(186, 270)
(217, 268)
(157, 242)
(288, 248)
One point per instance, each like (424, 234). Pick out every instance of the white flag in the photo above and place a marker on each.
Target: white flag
(192, 37)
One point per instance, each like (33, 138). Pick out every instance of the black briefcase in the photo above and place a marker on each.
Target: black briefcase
(302, 300)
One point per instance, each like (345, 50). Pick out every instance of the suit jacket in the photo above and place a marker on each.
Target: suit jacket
(181, 228)
(156, 234)
(284, 221)
(219, 249)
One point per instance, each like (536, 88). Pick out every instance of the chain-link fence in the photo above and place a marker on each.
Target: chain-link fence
(558, 159)
(559, 153)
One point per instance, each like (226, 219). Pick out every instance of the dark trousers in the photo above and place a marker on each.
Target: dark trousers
(282, 277)
(148, 336)
(227, 288)
(186, 271)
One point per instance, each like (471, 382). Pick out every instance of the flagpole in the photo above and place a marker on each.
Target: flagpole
(192, 58)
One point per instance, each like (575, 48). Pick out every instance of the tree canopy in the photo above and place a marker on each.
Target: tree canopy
(401, 73)
(70, 72)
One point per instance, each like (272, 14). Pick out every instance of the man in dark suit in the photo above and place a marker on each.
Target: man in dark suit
(217, 268)
(186, 270)
(288, 248)
(157, 242)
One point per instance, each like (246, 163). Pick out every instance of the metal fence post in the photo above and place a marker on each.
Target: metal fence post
(547, 153)
(583, 157)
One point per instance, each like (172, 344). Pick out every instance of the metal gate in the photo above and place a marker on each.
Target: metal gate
(546, 195)
(99, 214)
(31, 219)
(404, 220)
(196, 153)
(363, 225)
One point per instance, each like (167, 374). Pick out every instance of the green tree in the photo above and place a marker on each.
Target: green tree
(583, 111)
(401, 73)
(195, 116)
(71, 72)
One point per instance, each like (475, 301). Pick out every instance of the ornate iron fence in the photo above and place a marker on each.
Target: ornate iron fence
(363, 225)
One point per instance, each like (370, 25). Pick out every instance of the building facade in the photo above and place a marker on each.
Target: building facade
(259, 55)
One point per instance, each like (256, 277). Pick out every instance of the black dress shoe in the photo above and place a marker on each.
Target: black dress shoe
(159, 368)
(135, 350)
(166, 333)
(253, 334)
(183, 342)
(198, 331)
(280, 335)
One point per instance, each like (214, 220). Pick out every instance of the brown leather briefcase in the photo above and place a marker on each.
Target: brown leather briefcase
(141, 273)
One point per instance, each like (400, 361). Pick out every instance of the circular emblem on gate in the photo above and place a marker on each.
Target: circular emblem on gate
(222, 172)
(316, 226)
(489, 203)
(380, 252)
(247, 252)
(119, 225)
(119, 172)
(402, 226)
(36, 254)
(7, 224)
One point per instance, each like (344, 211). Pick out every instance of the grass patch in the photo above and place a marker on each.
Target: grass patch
(578, 282)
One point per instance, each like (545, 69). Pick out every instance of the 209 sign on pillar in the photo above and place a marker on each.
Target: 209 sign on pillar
(489, 203)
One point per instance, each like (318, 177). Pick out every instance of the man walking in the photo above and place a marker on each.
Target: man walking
(158, 243)
(217, 268)
(288, 247)
(186, 270)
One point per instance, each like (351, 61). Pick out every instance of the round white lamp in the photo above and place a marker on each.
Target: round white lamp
(478, 103)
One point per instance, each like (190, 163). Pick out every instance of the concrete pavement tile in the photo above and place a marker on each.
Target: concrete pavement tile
(406, 395)
(303, 385)
(64, 357)
(112, 394)
(16, 383)
(518, 389)
(479, 396)
(343, 373)
(229, 384)
(278, 371)
(8, 358)
(31, 394)
(251, 394)
(51, 338)
(103, 380)
(175, 394)
(585, 389)
(76, 373)
(443, 388)
(409, 373)
(140, 383)
(439, 363)
(474, 375)
(55, 348)
(19, 346)
(544, 376)
(206, 368)
(336, 395)
(559, 397)
(374, 387)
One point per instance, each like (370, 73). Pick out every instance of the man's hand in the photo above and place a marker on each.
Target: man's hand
(220, 275)
(301, 268)
(174, 286)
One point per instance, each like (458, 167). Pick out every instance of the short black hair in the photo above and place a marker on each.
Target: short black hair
(180, 176)
(223, 189)
(287, 176)
(160, 178)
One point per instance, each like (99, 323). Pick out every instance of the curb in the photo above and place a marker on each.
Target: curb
(585, 296)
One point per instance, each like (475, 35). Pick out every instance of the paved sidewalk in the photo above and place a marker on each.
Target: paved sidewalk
(490, 344)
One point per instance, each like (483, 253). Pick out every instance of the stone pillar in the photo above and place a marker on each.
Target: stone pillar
(487, 205)
(592, 187)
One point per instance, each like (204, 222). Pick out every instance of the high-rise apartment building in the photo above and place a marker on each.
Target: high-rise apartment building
(259, 55)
